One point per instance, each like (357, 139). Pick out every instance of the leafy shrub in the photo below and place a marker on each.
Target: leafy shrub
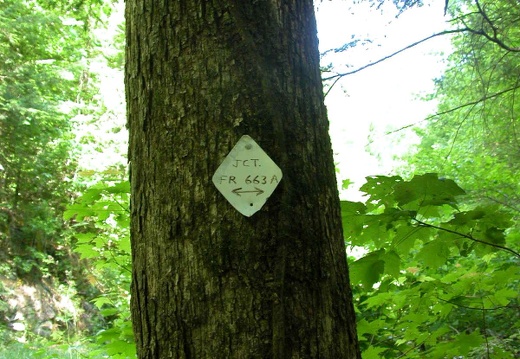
(436, 281)
(101, 219)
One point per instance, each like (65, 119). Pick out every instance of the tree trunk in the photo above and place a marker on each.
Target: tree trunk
(209, 282)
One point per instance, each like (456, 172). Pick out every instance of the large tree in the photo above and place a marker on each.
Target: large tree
(209, 282)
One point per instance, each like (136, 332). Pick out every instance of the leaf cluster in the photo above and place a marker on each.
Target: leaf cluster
(434, 277)
(101, 221)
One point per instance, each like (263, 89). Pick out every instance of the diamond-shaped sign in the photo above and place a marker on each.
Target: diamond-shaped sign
(247, 176)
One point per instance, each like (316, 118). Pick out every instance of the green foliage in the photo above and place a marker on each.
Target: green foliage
(42, 84)
(102, 237)
(39, 348)
(464, 254)
(462, 261)
(436, 280)
(48, 49)
(23, 351)
(474, 135)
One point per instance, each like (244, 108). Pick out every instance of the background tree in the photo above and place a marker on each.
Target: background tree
(39, 71)
(474, 137)
(207, 281)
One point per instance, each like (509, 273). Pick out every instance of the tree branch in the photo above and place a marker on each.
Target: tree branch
(467, 236)
(453, 109)
(339, 76)
(475, 308)
(491, 37)
(446, 32)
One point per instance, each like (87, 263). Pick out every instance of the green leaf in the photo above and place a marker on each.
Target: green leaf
(91, 195)
(467, 217)
(466, 342)
(407, 236)
(77, 210)
(370, 328)
(378, 300)
(346, 183)
(373, 352)
(124, 244)
(503, 297)
(109, 311)
(86, 251)
(84, 237)
(121, 187)
(434, 254)
(101, 301)
(352, 208)
(428, 189)
(352, 218)
(380, 189)
(367, 270)
(392, 263)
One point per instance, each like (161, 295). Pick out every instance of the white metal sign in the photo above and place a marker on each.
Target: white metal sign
(247, 176)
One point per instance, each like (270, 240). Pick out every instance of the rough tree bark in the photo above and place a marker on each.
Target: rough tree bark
(207, 281)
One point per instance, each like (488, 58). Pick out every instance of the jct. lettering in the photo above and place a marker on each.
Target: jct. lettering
(251, 162)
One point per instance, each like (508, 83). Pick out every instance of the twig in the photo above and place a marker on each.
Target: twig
(484, 329)
(467, 236)
(446, 32)
(474, 308)
(453, 109)
(493, 38)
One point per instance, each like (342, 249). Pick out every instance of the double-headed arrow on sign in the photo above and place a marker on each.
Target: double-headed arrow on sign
(238, 191)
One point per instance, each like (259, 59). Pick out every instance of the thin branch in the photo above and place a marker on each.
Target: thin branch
(331, 86)
(110, 250)
(339, 76)
(461, 17)
(484, 322)
(453, 109)
(502, 203)
(417, 345)
(446, 32)
(467, 236)
(457, 132)
(494, 37)
(486, 17)
(474, 308)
